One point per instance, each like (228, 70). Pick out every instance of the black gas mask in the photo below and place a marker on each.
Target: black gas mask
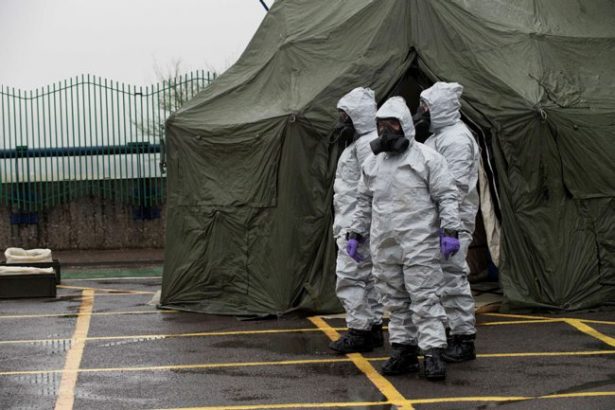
(391, 137)
(422, 121)
(344, 129)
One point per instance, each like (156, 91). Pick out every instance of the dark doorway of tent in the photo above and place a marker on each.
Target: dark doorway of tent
(484, 251)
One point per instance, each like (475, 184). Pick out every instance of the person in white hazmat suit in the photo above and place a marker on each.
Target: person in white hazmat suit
(355, 283)
(451, 137)
(406, 195)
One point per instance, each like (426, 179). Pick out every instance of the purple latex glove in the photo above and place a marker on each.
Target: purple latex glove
(449, 245)
(352, 248)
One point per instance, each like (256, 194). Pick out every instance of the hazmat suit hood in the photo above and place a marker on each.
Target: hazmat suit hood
(360, 105)
(395, 107)
(443, 102)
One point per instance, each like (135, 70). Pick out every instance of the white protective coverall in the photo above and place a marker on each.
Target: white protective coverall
(452, 138)
(407, 197)
(355, 283)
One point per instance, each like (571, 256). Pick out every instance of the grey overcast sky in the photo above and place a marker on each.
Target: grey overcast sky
(42, 41)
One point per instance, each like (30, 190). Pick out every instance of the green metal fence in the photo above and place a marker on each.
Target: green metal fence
(87, 136)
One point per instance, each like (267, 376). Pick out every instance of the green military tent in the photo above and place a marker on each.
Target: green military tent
(251, 159)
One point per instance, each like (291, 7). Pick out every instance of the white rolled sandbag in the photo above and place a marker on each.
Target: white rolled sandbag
(23, 270)
(19, 255)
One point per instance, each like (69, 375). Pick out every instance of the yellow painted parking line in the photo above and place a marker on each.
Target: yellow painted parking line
(289, 406)
(581, 394)
(126, 312)
(31, 341)
(66, 391)
(512, 398)
(288, 362)
(519, 322)
(546, 354)
(382, 384)
(135, 292)
(184, 366)
(210, 334)
(545, 319)
(578, 324)
(436, 400)
(175, 335)
(509, 315)
(598, 322)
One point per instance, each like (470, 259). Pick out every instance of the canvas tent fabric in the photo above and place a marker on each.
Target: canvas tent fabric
(251, 159)
(251, 163)
(538, 75)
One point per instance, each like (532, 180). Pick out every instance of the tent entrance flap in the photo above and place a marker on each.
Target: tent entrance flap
(488, 228)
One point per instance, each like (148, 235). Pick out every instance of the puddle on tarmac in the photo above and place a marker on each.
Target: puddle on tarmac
(46, 383)
(287, 344)
(609, 382)
(123, 342)
(337, 387)
(56, 346)
(43, 349)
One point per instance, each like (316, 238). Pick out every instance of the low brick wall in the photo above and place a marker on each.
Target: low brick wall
(85, 223)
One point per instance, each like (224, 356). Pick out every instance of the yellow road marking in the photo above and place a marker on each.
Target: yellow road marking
(581, 394)
(516, 316)
(382, 384)
(289, 362)
(183, 367)
(324, 327)
(31, 341)
(289, 406)
(598, 322)
(136, 292)
(466, 399)
(127, 312)
(513, 398)
(415, 401)
(519, 322)
(205, 334)
(544, 319)
(546, 354)
(578, 324)
(66, 391)
(174, 335)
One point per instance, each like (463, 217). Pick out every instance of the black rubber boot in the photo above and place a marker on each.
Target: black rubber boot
(435, 367)
(377, 337)
(353, 341)
(404, 359)
(460, 349)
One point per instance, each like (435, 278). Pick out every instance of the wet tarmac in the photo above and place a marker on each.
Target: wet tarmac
(136, 357)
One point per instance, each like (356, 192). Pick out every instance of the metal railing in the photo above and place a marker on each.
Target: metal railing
(87, 136)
